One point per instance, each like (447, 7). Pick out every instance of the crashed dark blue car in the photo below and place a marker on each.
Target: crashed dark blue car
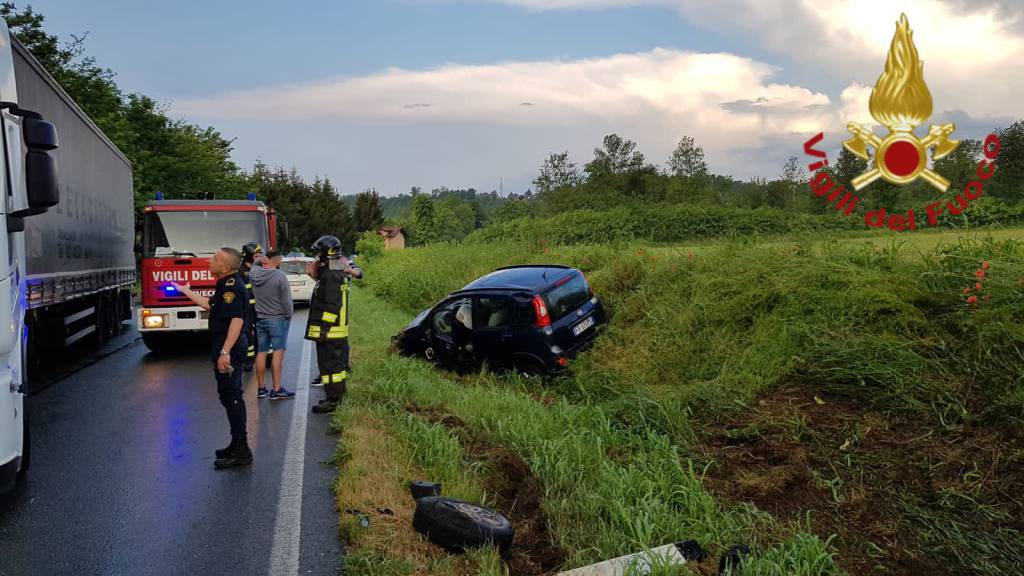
(530, 319)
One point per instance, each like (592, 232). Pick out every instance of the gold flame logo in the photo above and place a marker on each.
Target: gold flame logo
(900, 101)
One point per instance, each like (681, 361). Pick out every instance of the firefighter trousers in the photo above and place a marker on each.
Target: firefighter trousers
(332, 359)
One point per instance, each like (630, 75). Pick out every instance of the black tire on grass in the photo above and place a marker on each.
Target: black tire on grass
(456, 525)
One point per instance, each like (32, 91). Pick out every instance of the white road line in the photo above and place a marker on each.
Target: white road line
(284, 551)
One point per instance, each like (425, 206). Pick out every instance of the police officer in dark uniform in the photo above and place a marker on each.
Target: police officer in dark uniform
(327, 324)
(249, 252)
(228, 329)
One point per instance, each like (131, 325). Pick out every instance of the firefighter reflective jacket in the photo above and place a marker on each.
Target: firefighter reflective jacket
(328, 308)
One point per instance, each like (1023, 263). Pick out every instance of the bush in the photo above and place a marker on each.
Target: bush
(370, 246)
(663, 223)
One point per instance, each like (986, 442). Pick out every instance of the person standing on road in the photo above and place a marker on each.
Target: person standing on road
(249, 252)
(228, 328)
(274, 309)
(328, 318)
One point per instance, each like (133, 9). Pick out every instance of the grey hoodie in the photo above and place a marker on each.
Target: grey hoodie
(272, 292)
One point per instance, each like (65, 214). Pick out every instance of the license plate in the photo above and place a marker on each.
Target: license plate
(579, 328)
(296, 282)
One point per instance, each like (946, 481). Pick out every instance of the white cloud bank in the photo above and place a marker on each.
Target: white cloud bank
(732, 105)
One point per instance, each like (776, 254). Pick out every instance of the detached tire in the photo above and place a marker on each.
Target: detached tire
(456, 525)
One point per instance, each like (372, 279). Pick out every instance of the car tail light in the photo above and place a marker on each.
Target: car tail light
(543, 319)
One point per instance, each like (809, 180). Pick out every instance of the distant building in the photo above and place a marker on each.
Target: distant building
(394, 237)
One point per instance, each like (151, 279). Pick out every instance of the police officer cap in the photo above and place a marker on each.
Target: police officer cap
(327, 247)
(250, 250)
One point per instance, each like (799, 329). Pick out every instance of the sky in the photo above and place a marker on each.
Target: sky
(392, 94)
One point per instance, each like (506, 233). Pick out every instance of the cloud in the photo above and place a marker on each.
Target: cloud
(973, 50)
(746, 119)
(724, 101)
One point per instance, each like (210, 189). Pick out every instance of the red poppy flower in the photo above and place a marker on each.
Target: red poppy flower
(972, 299)
(977, 285)
(984, 265)
(980, 274)
(967, 290)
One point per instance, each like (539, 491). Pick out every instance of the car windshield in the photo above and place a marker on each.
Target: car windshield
(200, 232)
(293, 267)
(568, 297)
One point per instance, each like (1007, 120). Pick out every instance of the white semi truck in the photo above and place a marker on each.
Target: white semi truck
(67, 260)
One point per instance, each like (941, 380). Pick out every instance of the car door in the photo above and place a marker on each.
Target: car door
(448, 340)
(495, 333)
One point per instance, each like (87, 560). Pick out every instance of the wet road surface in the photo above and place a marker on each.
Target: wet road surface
(122, 478)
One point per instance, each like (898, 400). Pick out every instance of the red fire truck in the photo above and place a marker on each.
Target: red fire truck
(178, 239)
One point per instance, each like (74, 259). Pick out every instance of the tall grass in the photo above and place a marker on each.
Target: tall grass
(707, 330)
(608, 490)
(697, 334)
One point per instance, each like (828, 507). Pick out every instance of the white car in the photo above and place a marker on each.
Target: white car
(301, 283)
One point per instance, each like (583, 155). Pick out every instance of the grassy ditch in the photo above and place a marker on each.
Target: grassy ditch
(600, 490)
(839, 405)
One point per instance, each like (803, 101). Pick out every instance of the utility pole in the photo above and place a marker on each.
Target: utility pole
(501, 186)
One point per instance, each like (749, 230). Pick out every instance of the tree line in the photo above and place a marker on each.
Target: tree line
(181, 159)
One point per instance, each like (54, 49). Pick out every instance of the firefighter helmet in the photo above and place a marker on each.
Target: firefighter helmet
(250, 250)
(327, 248)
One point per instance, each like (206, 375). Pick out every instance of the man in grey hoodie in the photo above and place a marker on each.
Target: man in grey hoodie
(273, 315)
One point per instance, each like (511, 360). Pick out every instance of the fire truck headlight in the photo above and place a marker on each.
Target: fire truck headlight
(154, 321)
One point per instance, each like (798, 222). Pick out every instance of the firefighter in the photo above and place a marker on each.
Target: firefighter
(249, 253)
(328, 318)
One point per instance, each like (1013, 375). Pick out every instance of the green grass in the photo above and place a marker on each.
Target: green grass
(600, 504)
(699, 333)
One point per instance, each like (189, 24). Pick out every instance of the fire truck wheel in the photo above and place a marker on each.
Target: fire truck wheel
(158, 343)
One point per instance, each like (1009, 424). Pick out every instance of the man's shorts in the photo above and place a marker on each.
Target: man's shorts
(272, 333)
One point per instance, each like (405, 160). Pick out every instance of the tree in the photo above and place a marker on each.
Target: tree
(687, 160)
(616, 157)
(455, 218)
(792, 178)
(961, 165)
(1006, 183)
(181, 159)
(424, 220)
(848, 166)
(368, 214)
(558, 171)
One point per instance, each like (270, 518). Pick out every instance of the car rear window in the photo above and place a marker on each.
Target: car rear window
(568, 297)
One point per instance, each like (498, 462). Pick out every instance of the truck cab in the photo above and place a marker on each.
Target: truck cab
(29, 177)
(178, 239)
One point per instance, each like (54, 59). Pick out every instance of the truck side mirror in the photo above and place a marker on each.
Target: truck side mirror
(39, 134)
(41, 179)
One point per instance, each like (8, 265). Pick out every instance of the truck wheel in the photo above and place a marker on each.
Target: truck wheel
(99, 335)
(457, 525)
(26, 443)
(158, 343)
(116, 314)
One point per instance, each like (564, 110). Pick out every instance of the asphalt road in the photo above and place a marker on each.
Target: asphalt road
(122, 478)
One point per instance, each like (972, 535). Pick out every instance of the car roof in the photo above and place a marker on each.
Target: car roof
(529, 278)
